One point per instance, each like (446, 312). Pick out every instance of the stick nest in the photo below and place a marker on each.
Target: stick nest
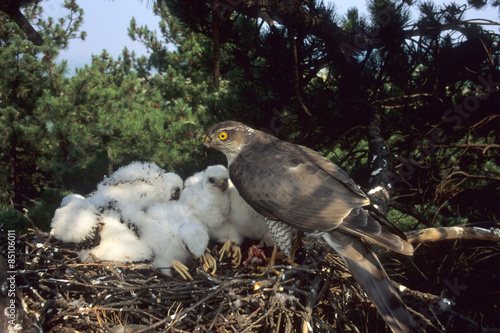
(318, 295)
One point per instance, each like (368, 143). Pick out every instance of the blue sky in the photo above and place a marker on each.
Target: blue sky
(106, 24)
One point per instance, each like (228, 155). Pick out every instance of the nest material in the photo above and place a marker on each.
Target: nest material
(319, 295)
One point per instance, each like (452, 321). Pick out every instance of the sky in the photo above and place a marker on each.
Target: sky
(106, 24)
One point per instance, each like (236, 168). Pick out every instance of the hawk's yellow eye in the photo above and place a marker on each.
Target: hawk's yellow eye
(223, 135)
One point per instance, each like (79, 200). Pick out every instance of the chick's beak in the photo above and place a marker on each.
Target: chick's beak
(208, 142)
(223, 185)
(176, 194)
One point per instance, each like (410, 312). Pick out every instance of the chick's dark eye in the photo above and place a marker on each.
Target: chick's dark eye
(211, 180)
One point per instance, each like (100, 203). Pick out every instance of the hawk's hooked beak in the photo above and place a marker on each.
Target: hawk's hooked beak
(207, 143)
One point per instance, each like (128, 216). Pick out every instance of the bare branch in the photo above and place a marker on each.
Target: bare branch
(484, 146)
(381, 165)
(431, 235)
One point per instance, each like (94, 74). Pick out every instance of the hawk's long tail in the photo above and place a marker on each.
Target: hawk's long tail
(369, 273)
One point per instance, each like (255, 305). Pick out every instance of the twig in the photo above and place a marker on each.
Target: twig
(271, 309)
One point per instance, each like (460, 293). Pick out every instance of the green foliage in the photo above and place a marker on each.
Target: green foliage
(11, 219)
(65, 133)
(26, 70)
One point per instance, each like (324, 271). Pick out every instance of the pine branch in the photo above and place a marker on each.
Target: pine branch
(12, 8)
(293, 15)
(432, 235)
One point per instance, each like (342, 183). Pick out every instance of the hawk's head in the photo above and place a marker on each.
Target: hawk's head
(229, 137)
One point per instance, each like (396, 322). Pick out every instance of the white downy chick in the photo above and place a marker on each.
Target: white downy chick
(207, 196)
(142, 183)
(132, 189)
(174, 185)
(246, 220)
(75, 221)
(118, 239)
(174, 234)
(70, 197)
(194, 179)
(118, 243)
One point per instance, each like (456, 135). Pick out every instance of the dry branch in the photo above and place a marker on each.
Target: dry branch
(430, 235)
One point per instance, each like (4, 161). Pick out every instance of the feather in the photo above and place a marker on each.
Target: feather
(369, 273)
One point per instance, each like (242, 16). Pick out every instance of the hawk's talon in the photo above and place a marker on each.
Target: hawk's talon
(234, 250)
(182, 270)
